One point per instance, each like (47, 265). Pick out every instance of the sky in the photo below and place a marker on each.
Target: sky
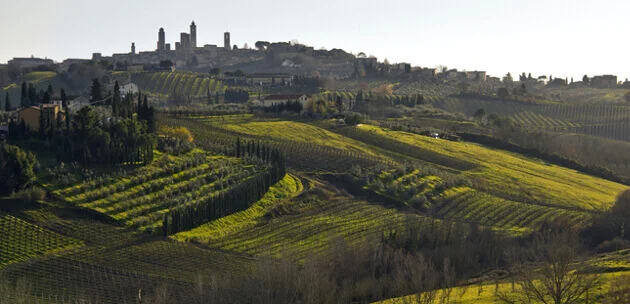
(542, 37)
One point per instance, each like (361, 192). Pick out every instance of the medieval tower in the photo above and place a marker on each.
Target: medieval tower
(161, 40)
(226, 41)
(133, 48)
(193, 35)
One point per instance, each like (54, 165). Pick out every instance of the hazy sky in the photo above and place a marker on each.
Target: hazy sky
(558, 37)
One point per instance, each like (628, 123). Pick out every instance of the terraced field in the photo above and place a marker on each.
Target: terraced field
(141, 199)
(191, 84)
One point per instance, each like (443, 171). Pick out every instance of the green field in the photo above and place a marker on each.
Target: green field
(99, 236)
(503, 173)
(307, 226)
(224, 227)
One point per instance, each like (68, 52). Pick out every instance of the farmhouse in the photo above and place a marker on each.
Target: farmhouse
(272, 99)
(78, 103)
(31, 115)
(269, 78)
(129, 88)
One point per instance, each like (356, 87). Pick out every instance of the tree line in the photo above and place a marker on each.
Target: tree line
(87, 138)
(236, 96)
(31, 97)
(239, 198)
(291, 106)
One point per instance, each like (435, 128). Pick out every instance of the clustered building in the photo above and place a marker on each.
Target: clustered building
(187, 53)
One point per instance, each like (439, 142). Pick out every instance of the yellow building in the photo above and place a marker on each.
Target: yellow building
(31, 115)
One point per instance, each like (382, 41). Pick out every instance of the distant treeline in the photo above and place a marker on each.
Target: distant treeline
(553, 158)
(291, 106)
(236, 96)
(236, 199)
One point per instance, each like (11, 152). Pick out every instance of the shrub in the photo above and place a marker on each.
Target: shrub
(354, 119)
(32, 194)
(611, 246)
(17, 168)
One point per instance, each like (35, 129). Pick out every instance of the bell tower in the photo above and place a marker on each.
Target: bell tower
(193, 35)
(161, 40)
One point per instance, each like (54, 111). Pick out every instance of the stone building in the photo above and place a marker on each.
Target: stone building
(185, 42)
(29, 62)
(604, 81)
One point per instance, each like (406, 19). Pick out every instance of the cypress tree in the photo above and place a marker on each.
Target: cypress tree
(42, 122)
(24, 98)
(64, 103)
(7, 103)
(139, 105)
(238, 147)
(32, 95)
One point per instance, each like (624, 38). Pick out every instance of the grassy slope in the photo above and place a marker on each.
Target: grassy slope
(300, 132)
(286, 189)
(518, 176)
(522, 192)
(306, 225)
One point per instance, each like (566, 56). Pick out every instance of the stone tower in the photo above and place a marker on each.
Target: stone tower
(133, 48)
(184, 40)
(193, 35)
(226, 40)
(161, 40)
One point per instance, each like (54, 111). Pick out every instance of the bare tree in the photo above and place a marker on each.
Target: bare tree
(548, 270)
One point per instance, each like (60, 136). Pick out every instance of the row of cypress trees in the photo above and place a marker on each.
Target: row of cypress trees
(239, 198)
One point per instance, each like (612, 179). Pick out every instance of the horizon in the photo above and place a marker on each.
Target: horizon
(463, 36)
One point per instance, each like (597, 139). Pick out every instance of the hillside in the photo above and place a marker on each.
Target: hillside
(500, 181)
(102, 237)
(166, 82)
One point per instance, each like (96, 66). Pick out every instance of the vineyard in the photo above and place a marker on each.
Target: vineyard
(502, 174)
(467, 205)
(307, 225)
(141, 199)
(602, 120)
(302, 152)
(289, 187)
(22, 240)
(190, 84)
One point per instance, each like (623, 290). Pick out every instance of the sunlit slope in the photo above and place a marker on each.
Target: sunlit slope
(287, 188)
(300, 132)
(503, 174)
